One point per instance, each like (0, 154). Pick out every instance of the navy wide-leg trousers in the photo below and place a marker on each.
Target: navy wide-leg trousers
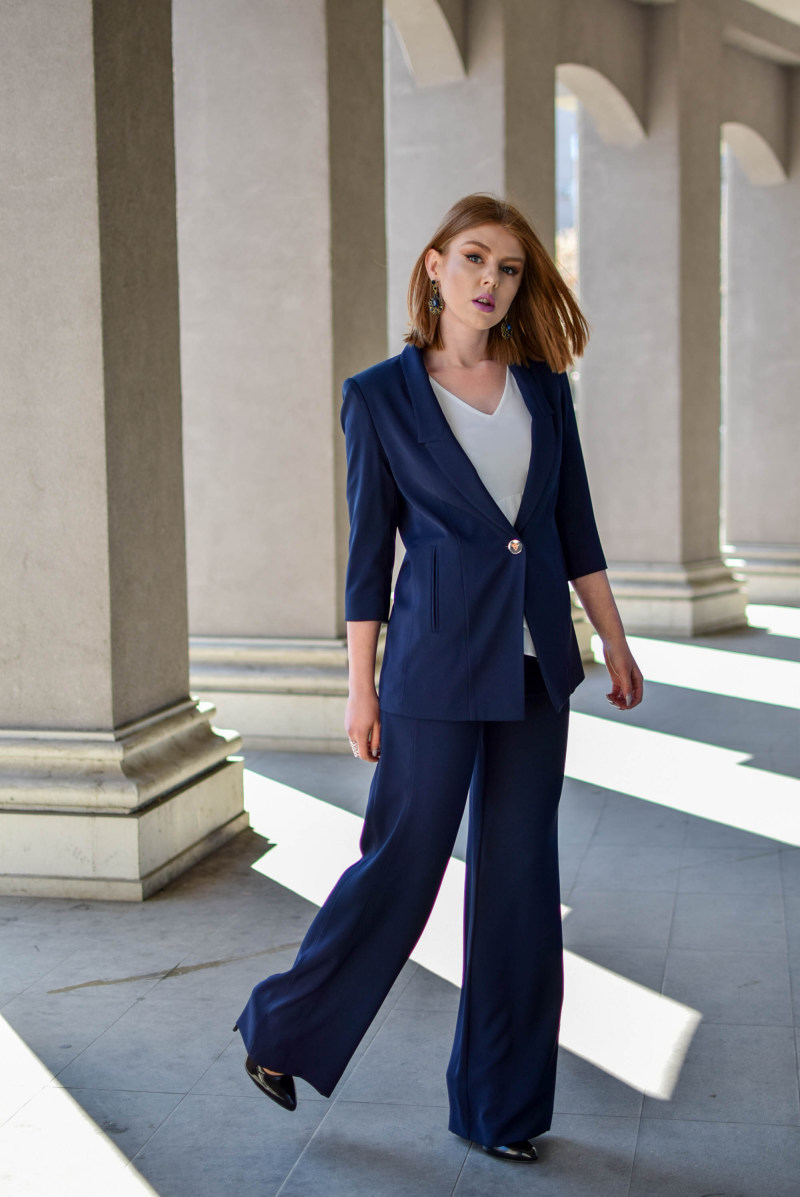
(501, 1077)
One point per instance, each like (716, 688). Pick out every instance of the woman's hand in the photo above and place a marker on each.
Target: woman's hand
(627, 683)
(597, 601)
(362, 722)
(362, 718)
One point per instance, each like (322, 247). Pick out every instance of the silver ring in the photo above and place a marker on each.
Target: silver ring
(354, 747)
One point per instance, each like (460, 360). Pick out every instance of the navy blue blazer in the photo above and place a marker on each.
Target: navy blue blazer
(454, 647)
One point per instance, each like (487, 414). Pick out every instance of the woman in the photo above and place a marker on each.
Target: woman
(467, 443)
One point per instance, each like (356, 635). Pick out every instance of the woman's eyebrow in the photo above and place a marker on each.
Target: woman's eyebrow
(508, 258)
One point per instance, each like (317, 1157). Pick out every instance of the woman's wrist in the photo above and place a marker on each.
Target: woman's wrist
(362, 642)
(361, 687)
(614, 641)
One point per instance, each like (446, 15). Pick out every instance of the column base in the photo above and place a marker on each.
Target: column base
(282, 694)
(772, 571)
(118, 814)
(290, 695)
(687, 599)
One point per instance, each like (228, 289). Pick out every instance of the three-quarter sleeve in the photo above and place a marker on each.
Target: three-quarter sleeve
(580, 541)
(372, 501)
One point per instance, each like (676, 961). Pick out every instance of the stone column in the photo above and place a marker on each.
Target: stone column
(650, 286)
(532, 41)
(762, 479)
(530, 56)
(112, 779)
(444, 133)
(280, 167)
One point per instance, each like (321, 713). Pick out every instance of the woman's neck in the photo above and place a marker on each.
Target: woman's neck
(464, 348)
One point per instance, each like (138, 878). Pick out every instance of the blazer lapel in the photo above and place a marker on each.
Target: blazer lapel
(543, 448)
(441, 442)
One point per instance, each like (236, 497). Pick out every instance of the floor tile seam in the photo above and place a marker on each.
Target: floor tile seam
(600, 813)
(635, 843)
(593, 945)
(652, 889)
(355, 1060)
(167, 973)
(400, 1105)
(577, 888)
(727, 1022)
(786, 893)
(32, 1097)
(558, 1112)
(254, 1096)
(632, 1162)
(48, 971)
(722, 1122)
(367, 1048)
(218, 1056)
(304, 1149)
(733, 952)
(568, 894)
(69, 1090)
(752, 852)
(404, 1009)
(123, 1089)
(790, 959)
(469, 1148)
(47, 1084)
(165, 1119)
(371, 1034)
(105, 1030)
(731, 1022)
(412, 973)
(792, 1004)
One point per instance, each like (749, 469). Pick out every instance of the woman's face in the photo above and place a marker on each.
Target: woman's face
(479, 274)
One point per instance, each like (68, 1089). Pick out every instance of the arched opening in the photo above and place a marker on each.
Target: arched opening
(428, 41)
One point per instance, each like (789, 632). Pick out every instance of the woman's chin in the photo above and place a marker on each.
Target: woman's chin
(481, 321)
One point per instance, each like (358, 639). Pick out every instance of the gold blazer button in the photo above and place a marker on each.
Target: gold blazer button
(515, 546)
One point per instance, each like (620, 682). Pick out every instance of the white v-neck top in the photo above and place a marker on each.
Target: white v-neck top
(499, 446)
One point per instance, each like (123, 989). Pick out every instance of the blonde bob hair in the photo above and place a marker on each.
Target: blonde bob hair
(547, 324)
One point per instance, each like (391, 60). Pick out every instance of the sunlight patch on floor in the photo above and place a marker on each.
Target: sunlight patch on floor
(621, 1027)
(714, 670)
(629, 1031)
(50, 1144)
(685, 775)
(778, 621)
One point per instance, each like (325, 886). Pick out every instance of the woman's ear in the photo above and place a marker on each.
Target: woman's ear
(432, 262)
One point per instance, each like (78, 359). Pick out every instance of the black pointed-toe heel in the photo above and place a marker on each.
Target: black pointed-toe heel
(278, 1086)
(236, 1026)
(523, 1151)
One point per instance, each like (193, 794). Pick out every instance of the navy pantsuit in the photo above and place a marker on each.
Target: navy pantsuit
(308, 1021)
(462, 711)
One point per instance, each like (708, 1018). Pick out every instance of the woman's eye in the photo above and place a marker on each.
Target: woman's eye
(477, 257)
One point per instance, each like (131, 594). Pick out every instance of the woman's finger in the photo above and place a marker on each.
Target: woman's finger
(369, 745)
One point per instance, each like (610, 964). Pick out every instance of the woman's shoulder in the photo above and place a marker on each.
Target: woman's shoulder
(378, 375)
(380, 390)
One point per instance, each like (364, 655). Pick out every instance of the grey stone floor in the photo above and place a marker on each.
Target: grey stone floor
(121, 1074)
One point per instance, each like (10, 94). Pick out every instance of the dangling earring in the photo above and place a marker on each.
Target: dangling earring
(435, 303)
(505, 329)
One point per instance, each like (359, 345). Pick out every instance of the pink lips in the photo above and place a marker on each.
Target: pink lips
(487, 306)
